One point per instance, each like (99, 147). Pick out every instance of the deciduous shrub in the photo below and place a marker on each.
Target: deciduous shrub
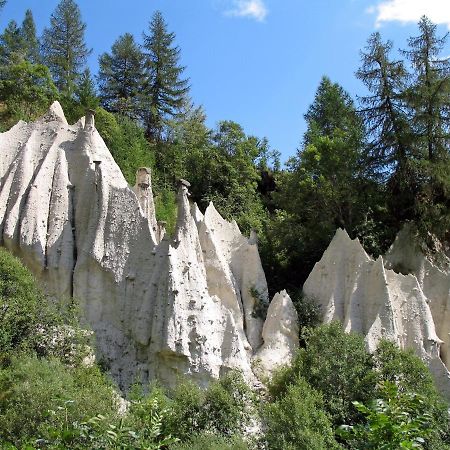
(298, 420)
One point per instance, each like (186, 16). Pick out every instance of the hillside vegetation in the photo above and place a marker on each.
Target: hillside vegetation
(368, 166)
(334, 395)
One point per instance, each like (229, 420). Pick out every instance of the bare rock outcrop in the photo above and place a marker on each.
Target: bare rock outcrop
(159, 306)
(370, 298)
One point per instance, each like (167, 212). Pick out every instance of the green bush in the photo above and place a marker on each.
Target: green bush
(224, 408)
(166, 209)
(211, 442)
(33, 323)
(40, 398)
(29, 321)
(298, 421)
(398, 420)
(412, 377)
(149, 414)
(336, 364)
(126, 142)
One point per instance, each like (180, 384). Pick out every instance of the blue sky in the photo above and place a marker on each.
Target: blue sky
(257, 62)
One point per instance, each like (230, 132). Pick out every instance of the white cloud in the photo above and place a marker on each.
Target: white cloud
(407, 11)
(252, 9)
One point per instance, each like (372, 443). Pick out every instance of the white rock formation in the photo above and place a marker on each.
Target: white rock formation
(369, 298)
(159, 307)
(280, 333)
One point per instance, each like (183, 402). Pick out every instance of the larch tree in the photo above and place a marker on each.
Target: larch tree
(428, 94)
(165, 89)
(121, 77)
(429, 101)
(386, 114)
(64, 48)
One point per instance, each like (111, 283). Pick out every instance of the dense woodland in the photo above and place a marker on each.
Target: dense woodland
(368, 166)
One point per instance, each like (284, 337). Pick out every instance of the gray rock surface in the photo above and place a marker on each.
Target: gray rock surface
(368, 297)
(159, 307)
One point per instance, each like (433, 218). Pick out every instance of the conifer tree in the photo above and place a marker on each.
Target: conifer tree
(384, 109)
(165, 89)
(429, 101)
(85, 92)
(30, 41)
(11, 44)
(429, 93)
(121, 77)
(64, 47)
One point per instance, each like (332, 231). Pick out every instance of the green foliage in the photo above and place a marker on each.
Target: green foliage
(394, 422)
(84, 97)
(11, 44)
(31, 45)
(64, 48)
(224, 408)
(121, 77)
(26, 90)
(40, 398)
(166, 209)
(19, 44)
(337, 365)
(407, 120)
(207, 441)
(297, 420)
(323, 188)
(126, 141)
(410, 375)
(308, 311)
(29, 321)
(164, 91)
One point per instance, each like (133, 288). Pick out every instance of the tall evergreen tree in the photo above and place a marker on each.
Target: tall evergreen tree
(429, 93)
(11, 44)
(85, 92)
(429, 101)
(121, 77)
(29, 38)
(385, 112)
(324, 187)
(165, 88)
(384, 109)
(64, 47)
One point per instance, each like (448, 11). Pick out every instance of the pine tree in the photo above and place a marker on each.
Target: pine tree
(85, 93)
(165, 90)
(29, 39)
(11, 44)
(64, 47)
(121, 77)
(333, 109)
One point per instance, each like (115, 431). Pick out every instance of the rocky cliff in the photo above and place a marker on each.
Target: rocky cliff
(402, 297)
(160, 306)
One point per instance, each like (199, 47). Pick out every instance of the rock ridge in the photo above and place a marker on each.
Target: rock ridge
(409, 307)
(159, 307)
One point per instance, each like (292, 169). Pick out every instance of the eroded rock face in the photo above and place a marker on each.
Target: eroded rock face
(159, 307)
(368, 297)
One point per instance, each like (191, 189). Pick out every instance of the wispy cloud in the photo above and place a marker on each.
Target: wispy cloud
(407, 11)
(252, 9)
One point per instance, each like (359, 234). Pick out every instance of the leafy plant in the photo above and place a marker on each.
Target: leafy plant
(394, 422)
